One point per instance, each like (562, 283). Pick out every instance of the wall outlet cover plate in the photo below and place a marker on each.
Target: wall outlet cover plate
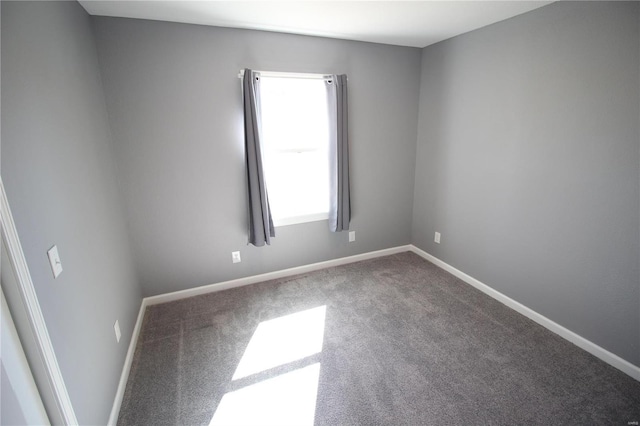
(54, 261)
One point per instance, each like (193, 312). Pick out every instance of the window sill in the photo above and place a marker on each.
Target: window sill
(295, 220)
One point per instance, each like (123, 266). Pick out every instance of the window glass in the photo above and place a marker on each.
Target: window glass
(295, 138)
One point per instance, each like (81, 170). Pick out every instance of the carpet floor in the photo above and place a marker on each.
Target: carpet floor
(389, 341)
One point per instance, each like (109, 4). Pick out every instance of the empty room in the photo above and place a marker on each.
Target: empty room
(320, 212)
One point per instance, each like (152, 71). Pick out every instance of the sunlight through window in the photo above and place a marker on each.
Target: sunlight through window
(283, 340)
(288, 399)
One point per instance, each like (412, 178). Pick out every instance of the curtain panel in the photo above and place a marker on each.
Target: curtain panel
(340, 204)
(261, 228)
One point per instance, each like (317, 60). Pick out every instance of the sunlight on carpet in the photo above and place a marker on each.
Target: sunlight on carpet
(283, 340)
(287, 399)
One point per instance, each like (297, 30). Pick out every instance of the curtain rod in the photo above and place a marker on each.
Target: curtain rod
(288, 75)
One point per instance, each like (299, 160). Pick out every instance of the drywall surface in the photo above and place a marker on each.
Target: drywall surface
(59, 173)
(175, 106)
(527, 163)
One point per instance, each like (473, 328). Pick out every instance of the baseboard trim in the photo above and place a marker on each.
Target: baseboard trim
(592, 348)
(183, 294)
(598, 351)
(124, 377)
(211, 288)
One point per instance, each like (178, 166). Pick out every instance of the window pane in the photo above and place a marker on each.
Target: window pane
(298, 183)
(296, 138)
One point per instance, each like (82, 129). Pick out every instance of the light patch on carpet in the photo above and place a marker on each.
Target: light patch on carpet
(283, 340)
(288, 399)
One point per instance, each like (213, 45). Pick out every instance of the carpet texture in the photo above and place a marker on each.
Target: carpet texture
(403, 343)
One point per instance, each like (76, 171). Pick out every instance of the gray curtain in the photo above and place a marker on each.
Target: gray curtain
(340, 206)
(260, 222)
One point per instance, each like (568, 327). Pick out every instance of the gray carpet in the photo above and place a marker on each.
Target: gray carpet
(404, 343)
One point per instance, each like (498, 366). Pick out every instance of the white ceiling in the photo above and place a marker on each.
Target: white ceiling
(404, 23)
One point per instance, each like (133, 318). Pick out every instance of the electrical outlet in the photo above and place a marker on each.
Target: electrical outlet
(116, 328)
(352, 236)
(235, 257)
(437, 238)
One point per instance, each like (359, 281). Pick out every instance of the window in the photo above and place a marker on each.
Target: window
(296, 151)
(295, 140)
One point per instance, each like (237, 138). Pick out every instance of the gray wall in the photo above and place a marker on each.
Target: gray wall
(59, 172)
(174, 102)
(528, 164)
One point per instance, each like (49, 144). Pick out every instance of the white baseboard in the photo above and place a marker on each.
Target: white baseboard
(182, 294)
(124, 377)
(599, 352)
(592, 348)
